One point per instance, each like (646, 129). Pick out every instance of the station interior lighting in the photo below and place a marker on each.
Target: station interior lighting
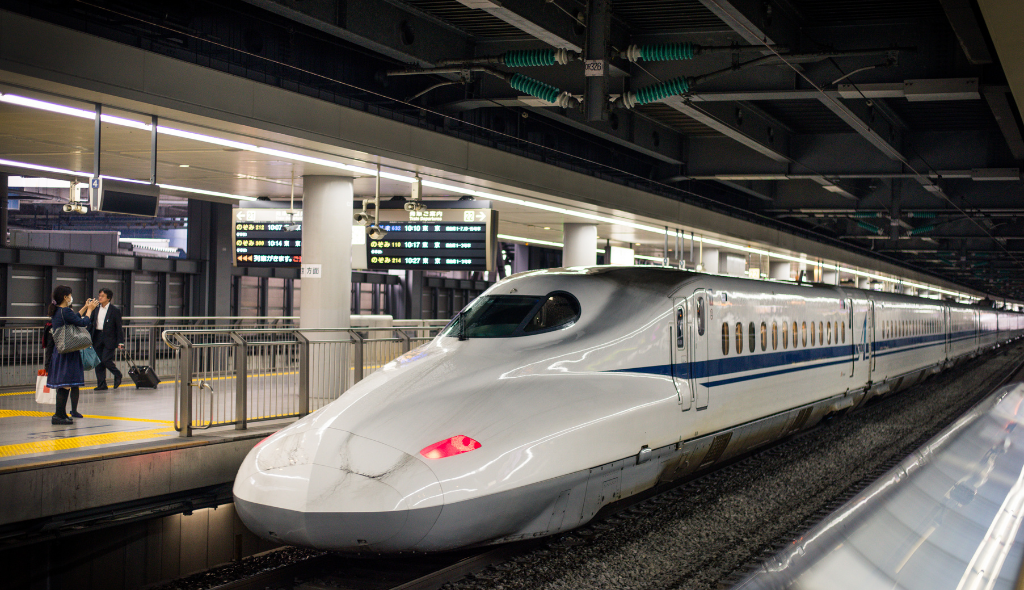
(660, 231)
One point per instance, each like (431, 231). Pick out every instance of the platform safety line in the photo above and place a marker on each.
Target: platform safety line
(78, 442)
(15, 413)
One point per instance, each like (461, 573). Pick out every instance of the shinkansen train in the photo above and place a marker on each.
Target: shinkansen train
(557, 392)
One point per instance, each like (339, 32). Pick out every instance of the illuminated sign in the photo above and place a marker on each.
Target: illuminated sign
(449, 235)
(267, 238)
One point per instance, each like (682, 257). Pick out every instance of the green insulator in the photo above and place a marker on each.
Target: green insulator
(871, 228)
(667, 51)
(866, 215)
(520, 58)
(663, 90)
(922, 230)
(534, 87)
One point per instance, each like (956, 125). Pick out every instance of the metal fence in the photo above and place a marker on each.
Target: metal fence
(234, 376)
(21, 343)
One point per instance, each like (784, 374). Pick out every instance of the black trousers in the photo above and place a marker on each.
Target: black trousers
(62, 401)
(106, 355)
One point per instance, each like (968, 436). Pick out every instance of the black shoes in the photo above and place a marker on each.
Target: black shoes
(58, 421)
(102, 387)
(117, 381)
(75, 414)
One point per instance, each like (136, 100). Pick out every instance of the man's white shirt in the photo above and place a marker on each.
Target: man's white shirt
(101, 315)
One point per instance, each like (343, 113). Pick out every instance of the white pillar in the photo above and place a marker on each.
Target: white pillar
(828, 277)
(779, 270)
(326, 241)
(732, 264)
(863, 283)
(709, 258)
(579, 244)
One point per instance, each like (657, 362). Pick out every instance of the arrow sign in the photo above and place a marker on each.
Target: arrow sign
(481, 216)
(240, 216)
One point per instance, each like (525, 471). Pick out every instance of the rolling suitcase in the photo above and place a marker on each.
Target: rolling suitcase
(144, 376)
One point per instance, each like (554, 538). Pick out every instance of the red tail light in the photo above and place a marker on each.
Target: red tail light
(455, 445)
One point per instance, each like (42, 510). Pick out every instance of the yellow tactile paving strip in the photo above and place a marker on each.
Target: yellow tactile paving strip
(13, 413)
(78, 442)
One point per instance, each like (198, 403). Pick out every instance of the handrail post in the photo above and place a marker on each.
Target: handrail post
(406, 342)
(154, 334)
(183, 418)
(241, 381)
(303, 373)
(357, 356)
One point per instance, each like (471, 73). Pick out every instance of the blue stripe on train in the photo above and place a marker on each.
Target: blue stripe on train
(833, 355)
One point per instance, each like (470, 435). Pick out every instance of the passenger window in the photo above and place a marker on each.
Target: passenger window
(794, 334)
(821, 334)
(739, 338)
(842, 326)
(725, 338)
(785, 337)
(700, 316)
(559, 310)
(764, 337)
(837, 331)
(829, 332)
(680, 327)
(775, 336)
(812, 333)
(803, 332)
(752, 336)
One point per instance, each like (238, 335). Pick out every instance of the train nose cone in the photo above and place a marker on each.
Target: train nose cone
(353, 493)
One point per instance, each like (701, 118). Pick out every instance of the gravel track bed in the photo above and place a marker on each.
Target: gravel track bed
(713, 527)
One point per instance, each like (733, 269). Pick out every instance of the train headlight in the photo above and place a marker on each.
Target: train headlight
(455, 445)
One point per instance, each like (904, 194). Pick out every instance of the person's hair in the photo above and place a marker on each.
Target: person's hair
(59, 294)
(109, 293)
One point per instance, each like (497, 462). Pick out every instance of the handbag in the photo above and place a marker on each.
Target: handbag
(69, 338)
(44, 395)
(90, 360)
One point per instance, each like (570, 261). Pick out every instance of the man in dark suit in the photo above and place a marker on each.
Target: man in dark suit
(107, 335)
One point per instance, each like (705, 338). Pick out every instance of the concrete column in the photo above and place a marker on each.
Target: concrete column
(863, 283)
(326, 241)
(209, 241)
(828, 277)
(579, 244)
(709, 258)
(779, 270)
(732, 264)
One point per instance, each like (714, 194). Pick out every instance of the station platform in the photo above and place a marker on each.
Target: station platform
(124, 450)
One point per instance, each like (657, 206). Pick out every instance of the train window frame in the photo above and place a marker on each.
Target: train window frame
(700, 315)
(821, 333)
(829, 339)
(574, 303)
(739, 337)
(842, 327)
(752, 337)
(796, 333)
(726, 339)
(812, 333)
(764, 336)
(785, 335)
(836, 325)
(680, 328)
(803, 332)
(775, 335)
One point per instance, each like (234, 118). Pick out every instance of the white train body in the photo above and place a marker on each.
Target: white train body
(650, 381)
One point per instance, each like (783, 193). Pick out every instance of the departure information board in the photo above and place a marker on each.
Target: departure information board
(268, 238)
(439, 238)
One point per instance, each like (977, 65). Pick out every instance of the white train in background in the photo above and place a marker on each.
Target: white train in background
(557, 392)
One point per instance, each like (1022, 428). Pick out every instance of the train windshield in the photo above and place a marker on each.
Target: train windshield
(504, 316)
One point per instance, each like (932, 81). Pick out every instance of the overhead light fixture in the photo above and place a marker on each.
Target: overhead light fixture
(182, 165)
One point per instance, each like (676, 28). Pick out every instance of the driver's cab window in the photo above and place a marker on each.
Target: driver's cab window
(680, 328)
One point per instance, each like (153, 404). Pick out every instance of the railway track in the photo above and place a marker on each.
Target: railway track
(504, 566)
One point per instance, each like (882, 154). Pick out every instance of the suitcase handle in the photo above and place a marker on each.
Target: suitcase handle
(128, 357)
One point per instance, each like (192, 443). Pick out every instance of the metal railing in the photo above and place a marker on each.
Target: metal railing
(21, 338)
(236, 376)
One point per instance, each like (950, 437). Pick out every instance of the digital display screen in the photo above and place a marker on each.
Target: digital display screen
(268, 238)
(453, 235)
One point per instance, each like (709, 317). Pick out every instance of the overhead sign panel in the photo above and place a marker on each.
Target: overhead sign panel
(268, 238)
(456, 235)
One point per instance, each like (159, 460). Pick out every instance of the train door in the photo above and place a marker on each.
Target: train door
(869, 338)
(946, 328)
(853, 341)
(700, 318)
(681, 342)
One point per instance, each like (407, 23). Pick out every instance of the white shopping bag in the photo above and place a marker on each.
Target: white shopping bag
(44, 395)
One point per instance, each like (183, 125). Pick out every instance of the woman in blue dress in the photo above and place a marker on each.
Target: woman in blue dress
(65, 371)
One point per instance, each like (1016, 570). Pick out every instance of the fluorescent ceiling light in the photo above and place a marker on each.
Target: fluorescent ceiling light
(32, 182)
(200, 191)
(541, 242)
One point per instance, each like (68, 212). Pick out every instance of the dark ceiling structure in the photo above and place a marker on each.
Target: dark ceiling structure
(888, 125)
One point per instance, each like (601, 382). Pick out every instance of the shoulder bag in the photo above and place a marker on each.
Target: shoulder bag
(69, 338)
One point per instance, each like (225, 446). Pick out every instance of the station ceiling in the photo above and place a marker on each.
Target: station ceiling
(892, 127)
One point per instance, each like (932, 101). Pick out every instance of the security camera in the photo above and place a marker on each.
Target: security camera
(361, 218)
(376, 232)
(68, 208)
(415, 206)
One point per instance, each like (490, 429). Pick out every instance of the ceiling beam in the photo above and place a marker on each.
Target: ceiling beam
(751, 19)
(1003, 19)
(968, 30)
(999, 103)
(764, 139)
(832, 100)
(537, 18)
